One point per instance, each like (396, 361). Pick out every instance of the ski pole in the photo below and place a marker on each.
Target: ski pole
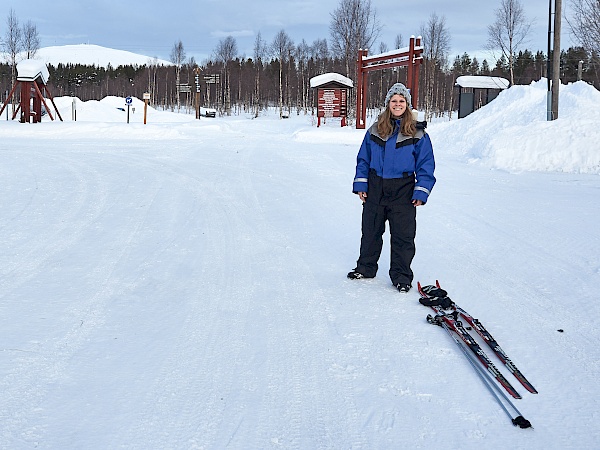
(519, 421)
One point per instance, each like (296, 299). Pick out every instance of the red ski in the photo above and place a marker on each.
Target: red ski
(431, 292)
(451, 319)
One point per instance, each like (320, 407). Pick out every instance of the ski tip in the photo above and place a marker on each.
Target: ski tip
(515, 394)
(521, 422)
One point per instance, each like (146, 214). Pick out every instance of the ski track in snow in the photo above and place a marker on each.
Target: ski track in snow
(191, 293)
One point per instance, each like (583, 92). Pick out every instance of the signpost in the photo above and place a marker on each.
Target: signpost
(146, 99)
(208, 79)
(128, 102)
(197, 81)
(332, 103)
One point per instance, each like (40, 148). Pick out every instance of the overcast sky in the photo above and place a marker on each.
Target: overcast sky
(151, 27)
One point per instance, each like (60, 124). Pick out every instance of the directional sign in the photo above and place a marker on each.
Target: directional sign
(212, 79)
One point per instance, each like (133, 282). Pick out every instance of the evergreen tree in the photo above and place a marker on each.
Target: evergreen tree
(474, 67)
(485, 68)
(570, 63)
(465, 63)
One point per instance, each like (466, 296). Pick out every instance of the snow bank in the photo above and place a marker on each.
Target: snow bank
(512, 133)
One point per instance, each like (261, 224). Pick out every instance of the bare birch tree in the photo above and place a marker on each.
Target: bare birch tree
(398, 41)
(397, 45)
(260, 53)
(152, 65)
(436, 43)
(226, 51)
(320, 53)
(31, 39)
(509, 31)
(302, 54)
(281, 48)
(12, 43)
(353, 26)
(383, 48)
(178, 58)
(585, 25)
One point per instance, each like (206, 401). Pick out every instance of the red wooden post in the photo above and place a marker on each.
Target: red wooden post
(39, 100)
(416, 64)
(360, 94)
(365, 90)
(12, 91)
(410, 71)
(25, 101)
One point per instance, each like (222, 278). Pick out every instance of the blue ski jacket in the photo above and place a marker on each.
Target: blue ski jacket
(398, 156)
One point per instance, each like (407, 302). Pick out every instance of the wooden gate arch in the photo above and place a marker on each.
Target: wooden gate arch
(410, 57)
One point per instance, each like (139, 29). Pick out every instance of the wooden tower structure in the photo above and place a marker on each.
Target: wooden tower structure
(31, 84)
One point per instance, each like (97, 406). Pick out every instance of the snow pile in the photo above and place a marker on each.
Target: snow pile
(512, 132)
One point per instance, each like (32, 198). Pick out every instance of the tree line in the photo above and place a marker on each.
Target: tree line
(279, 72)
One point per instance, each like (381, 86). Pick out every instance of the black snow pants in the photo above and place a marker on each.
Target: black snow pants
(389, 200)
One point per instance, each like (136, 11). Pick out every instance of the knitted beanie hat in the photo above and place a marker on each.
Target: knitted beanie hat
(398, 88)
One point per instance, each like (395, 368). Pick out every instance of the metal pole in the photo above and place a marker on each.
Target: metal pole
(556, 58)
(548, 65)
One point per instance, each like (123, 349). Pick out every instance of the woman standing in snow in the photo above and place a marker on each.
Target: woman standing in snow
(394, 175)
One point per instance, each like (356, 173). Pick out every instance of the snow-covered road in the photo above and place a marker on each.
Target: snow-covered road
(183, 286)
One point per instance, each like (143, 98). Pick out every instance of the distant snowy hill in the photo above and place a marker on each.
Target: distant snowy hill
(93, 55)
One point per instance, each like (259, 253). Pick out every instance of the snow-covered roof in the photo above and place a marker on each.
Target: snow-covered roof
(325, 78)
(482, 82)
(31, 70)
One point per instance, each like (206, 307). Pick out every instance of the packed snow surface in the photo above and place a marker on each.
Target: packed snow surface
(182, 284)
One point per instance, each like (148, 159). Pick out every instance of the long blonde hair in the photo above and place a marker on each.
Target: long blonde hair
(385, 126)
